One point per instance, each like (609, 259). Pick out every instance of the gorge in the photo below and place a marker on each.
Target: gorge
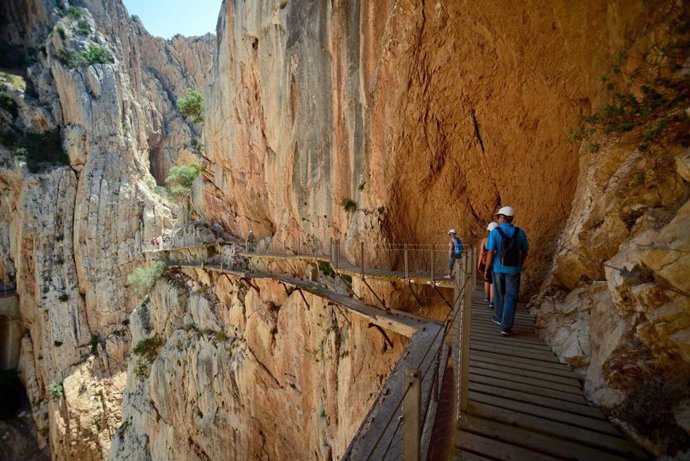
(380, 121)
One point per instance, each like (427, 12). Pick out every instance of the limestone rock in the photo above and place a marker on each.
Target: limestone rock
(229, 359)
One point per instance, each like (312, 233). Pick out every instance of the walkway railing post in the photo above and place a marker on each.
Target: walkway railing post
(361, 257)
(433, 263)
(466, 324)
(411, 409)
(407, 267)
(336, 254)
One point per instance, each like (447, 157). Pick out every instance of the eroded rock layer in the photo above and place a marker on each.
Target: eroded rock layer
(225, 368)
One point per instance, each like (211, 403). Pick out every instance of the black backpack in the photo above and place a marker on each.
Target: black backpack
(510, 252)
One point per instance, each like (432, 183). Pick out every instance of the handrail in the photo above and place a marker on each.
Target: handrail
(412, 261)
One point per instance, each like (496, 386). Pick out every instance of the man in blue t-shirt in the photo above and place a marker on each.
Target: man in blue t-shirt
(506, 260)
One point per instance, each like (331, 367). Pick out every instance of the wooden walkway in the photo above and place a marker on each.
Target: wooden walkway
(526, 405)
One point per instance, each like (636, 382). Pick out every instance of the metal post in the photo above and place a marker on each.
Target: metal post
(336, 254)
(433, 261)
(361, 257)
(411, 422)
(466, 323)
(407, 267)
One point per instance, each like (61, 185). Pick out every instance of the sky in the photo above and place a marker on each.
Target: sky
(165, 18)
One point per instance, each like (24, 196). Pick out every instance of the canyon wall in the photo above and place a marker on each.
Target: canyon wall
(88, 104)
(429, 115)
(381, 121)
(225, 368)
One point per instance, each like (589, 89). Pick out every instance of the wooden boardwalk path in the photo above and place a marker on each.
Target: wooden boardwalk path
(526, 405)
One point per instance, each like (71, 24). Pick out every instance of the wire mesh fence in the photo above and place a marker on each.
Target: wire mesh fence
(441, 374)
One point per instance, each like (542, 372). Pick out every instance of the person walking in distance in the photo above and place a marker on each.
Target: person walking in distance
(455, 250)
(507, 250)
(481, 265)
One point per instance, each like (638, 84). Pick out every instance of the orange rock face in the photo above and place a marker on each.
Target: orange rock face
(427, 115)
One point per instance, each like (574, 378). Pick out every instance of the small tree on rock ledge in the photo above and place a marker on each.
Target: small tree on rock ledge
(192, 106)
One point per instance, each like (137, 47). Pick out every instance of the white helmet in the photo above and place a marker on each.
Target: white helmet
(492, 225)
(451, 232)
(506, 211)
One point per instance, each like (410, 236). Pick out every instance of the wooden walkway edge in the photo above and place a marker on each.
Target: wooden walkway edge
(526, 405)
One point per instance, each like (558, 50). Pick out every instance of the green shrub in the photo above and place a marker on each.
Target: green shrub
(192, 106)
(93, 343)
(326, 269)
(93, 54)
(43, 149)
(57, 390)
(148, 348)
(141, 281)
(9, 104)
(348, 205)
(63, 297)
(83, 27)
(74, 12)
(181, 177)
(20, 153)
(60, 31)
(643, 94)
(8, 138)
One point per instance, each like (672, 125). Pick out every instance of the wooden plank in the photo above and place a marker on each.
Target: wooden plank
(468, 456)
(514, 356)
(546, 413)
(573, 396)
(514, 349)
(495, 449)
(539, 399)
(523, 372)
(496, 338)
(538, 383)
(491, 328)
(586, 436)
(485, 312)
(519, 364)
(536, 441)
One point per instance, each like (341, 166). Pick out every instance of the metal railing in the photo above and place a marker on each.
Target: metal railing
(408, 261)
(412, 420)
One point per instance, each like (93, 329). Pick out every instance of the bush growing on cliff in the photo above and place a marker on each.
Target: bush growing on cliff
(93, 54)
(644, 90)
(192, 106)
(148, 348)
(142, 279)
(348, 205)
(181, 178)
(57, 391)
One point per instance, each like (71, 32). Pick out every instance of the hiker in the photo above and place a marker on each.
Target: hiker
(481, 266)
(250, 241)
(507, 250)
(455, 250)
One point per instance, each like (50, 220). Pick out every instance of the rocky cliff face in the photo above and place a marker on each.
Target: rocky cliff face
(420, 115)
(225, 369)
(397, 105)
(429, 115)
(88, 104)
